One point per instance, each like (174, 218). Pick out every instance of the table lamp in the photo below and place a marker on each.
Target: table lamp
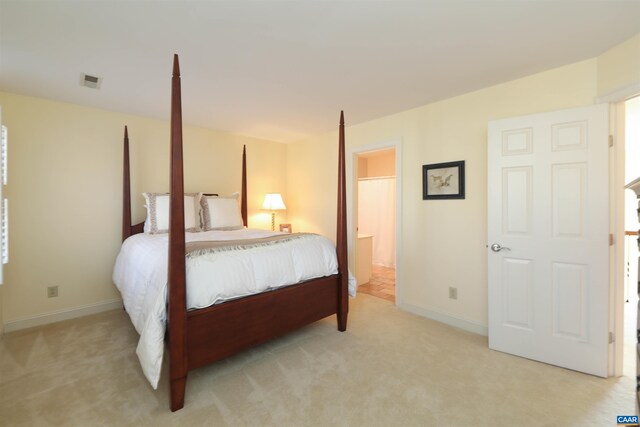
(273, 202)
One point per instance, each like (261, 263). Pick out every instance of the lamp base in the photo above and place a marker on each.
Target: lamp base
(273, 221)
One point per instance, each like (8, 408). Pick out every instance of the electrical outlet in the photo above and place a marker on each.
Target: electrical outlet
(453, 292)
(52, 291)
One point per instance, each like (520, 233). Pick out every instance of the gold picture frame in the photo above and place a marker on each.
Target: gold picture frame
(286, 228)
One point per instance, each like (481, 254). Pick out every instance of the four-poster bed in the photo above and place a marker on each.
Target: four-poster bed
(196, 337)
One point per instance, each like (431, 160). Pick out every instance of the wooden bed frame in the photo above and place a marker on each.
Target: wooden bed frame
(198, 337)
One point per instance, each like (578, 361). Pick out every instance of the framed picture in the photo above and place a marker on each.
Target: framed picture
(285, 227)
(443, 181)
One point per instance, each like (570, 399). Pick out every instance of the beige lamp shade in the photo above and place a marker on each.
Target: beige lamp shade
(273, 202)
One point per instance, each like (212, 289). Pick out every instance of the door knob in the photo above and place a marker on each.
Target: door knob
(497, 248)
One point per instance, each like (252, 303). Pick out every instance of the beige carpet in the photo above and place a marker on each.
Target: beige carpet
(390, 368)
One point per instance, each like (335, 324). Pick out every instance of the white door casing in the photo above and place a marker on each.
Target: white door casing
(548, 207)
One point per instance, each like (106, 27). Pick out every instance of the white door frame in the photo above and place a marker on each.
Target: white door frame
(616, 101)
(352, 196)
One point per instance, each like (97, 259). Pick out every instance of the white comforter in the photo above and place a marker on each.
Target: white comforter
(140, 274)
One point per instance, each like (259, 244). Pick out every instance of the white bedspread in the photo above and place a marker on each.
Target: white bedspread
(140, 274)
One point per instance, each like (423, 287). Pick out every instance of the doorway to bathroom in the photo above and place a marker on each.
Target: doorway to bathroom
(376, 223)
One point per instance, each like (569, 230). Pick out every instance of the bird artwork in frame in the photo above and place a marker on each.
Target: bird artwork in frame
(443, 180)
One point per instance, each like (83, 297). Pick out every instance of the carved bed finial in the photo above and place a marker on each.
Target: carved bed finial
(176, 65)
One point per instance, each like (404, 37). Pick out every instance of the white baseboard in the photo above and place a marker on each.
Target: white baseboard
(60, 315)
(447, 319)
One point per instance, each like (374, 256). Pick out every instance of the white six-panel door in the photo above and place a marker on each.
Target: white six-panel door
(548, 211)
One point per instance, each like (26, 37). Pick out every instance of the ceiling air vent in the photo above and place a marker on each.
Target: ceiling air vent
(90, 81)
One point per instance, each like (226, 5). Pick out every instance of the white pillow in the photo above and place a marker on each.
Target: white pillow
(157, 205)
(221, 213)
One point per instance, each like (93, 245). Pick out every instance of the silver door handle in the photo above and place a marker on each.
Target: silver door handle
(497, 248)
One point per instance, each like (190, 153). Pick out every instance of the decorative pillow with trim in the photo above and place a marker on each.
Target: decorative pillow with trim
(157, 205)
(221, 213)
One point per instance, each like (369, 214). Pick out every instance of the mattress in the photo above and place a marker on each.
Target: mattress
(140, 274)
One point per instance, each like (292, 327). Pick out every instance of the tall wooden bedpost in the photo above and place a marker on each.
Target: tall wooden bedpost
(341, 238)
(177, 271)
(126, 191)
(243, 197)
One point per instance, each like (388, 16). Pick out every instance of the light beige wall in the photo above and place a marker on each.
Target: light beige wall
(363, 167)
(619, 67)
(442, 242)
(382, 165)
(65, 191)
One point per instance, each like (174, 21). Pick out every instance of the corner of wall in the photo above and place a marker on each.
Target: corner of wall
(88, 141)
(619, 67)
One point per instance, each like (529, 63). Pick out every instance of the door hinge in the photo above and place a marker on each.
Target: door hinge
(610, 140)
(612, 338)
(610, 239)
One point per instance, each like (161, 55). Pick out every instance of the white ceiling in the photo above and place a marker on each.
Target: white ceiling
(282, 70)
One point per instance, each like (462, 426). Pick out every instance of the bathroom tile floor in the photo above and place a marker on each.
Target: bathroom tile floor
(382, 283)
